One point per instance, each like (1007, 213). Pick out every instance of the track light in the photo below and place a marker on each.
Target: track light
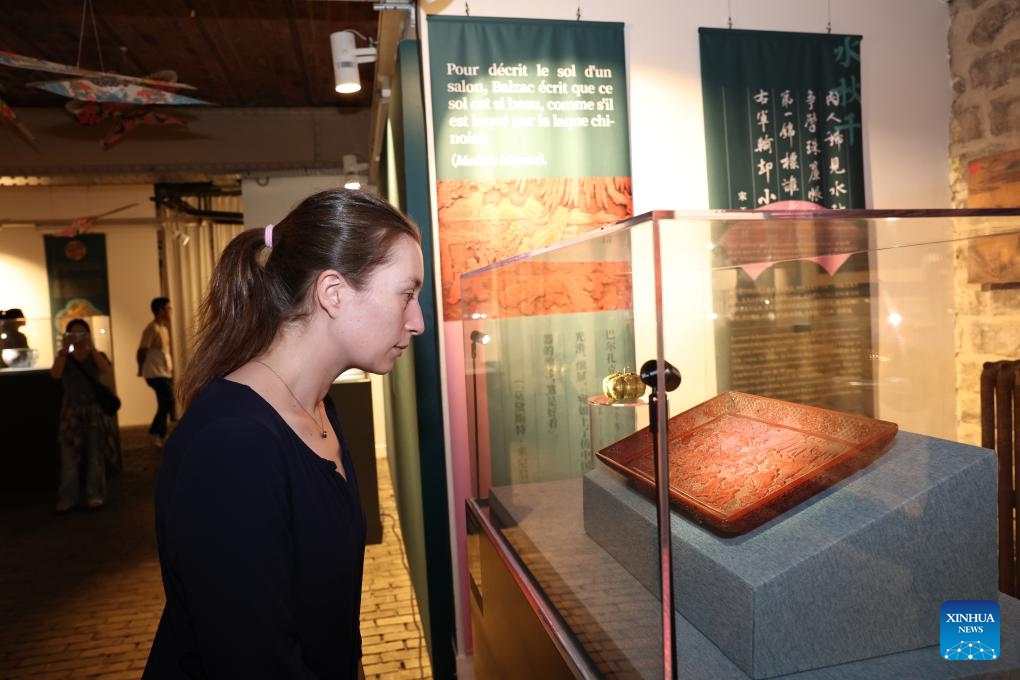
(179, 236)
(353, 172)
(346, 58)
(177, 233)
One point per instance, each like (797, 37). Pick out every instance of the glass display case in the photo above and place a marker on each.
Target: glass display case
(773, 422)
(32, 343)
(22, 340)
(29, 405)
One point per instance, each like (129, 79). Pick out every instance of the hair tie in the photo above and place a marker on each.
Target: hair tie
(269, 236)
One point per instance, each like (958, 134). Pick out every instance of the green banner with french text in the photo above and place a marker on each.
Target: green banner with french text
(531, 139)
(516, 98)
(531, 147)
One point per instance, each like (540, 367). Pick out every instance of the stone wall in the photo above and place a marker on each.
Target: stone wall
(984, 62)
(984, 58)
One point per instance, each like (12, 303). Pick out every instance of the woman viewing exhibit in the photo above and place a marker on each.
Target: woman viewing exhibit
(258, 519)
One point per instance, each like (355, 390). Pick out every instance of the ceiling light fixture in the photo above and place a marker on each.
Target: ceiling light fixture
(353, 171)
(175, 230)
(346, 58)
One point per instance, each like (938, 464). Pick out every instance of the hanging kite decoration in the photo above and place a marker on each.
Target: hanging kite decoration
(127, 117)
(8, 116)
(97, 96)
(84, 223)
(98, 86)
(112, 89)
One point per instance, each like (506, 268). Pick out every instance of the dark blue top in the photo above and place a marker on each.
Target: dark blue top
(261, 547)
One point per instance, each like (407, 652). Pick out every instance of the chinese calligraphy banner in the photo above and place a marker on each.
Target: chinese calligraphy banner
(783, 123)
(538, 387)
(782, 118)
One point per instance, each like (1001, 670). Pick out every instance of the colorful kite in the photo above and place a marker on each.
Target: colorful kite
(33, 64)
(7, 114)
(112, 89)
(127, 118)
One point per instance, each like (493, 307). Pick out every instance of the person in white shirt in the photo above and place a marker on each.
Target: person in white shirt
(156, 365)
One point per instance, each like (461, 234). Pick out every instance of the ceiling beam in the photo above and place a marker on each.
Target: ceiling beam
(391, 29)
(299, 55)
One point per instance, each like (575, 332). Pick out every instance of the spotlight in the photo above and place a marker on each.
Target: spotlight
(353, 171)
(346, 58)
(480, 337)
(176, 233)
(179, 236)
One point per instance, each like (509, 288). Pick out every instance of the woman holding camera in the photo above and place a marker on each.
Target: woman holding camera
(86, 432)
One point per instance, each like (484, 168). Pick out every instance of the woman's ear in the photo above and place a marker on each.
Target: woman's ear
(330, 289)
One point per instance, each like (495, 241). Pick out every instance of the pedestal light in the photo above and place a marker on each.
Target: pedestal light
(477, 338)
(670, 381)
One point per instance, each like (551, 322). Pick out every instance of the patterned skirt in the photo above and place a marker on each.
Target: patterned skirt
(81, 415)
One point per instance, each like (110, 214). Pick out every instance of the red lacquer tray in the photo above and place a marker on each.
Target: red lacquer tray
(738, 460)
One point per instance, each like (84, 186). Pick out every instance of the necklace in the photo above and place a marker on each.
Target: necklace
(322, 423)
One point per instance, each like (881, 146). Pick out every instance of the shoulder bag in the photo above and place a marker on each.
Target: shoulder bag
(108, 400)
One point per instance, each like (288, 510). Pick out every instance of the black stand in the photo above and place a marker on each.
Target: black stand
(670, 380)
(476, 338)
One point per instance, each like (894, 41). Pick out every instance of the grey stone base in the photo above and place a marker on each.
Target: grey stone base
(856, 572)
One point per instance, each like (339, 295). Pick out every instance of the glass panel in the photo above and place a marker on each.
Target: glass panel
(828, 415)
(541, 333)
(27, 344)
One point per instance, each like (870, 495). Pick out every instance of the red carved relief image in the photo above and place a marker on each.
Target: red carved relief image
(486, 221)
(739, 460)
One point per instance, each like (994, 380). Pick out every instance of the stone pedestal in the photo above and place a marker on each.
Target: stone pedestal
(858, 571)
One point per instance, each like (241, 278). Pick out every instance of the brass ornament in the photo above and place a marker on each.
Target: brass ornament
(623, 385)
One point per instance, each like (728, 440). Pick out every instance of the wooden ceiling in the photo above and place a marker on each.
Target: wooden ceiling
(237, 53)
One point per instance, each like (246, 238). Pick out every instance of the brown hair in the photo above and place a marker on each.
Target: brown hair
(76, 323)
(251, 296)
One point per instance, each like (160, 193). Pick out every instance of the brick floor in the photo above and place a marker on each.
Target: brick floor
(392, 642)
(80, 594)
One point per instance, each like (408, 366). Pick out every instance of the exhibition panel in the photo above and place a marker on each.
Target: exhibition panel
(770, 421)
